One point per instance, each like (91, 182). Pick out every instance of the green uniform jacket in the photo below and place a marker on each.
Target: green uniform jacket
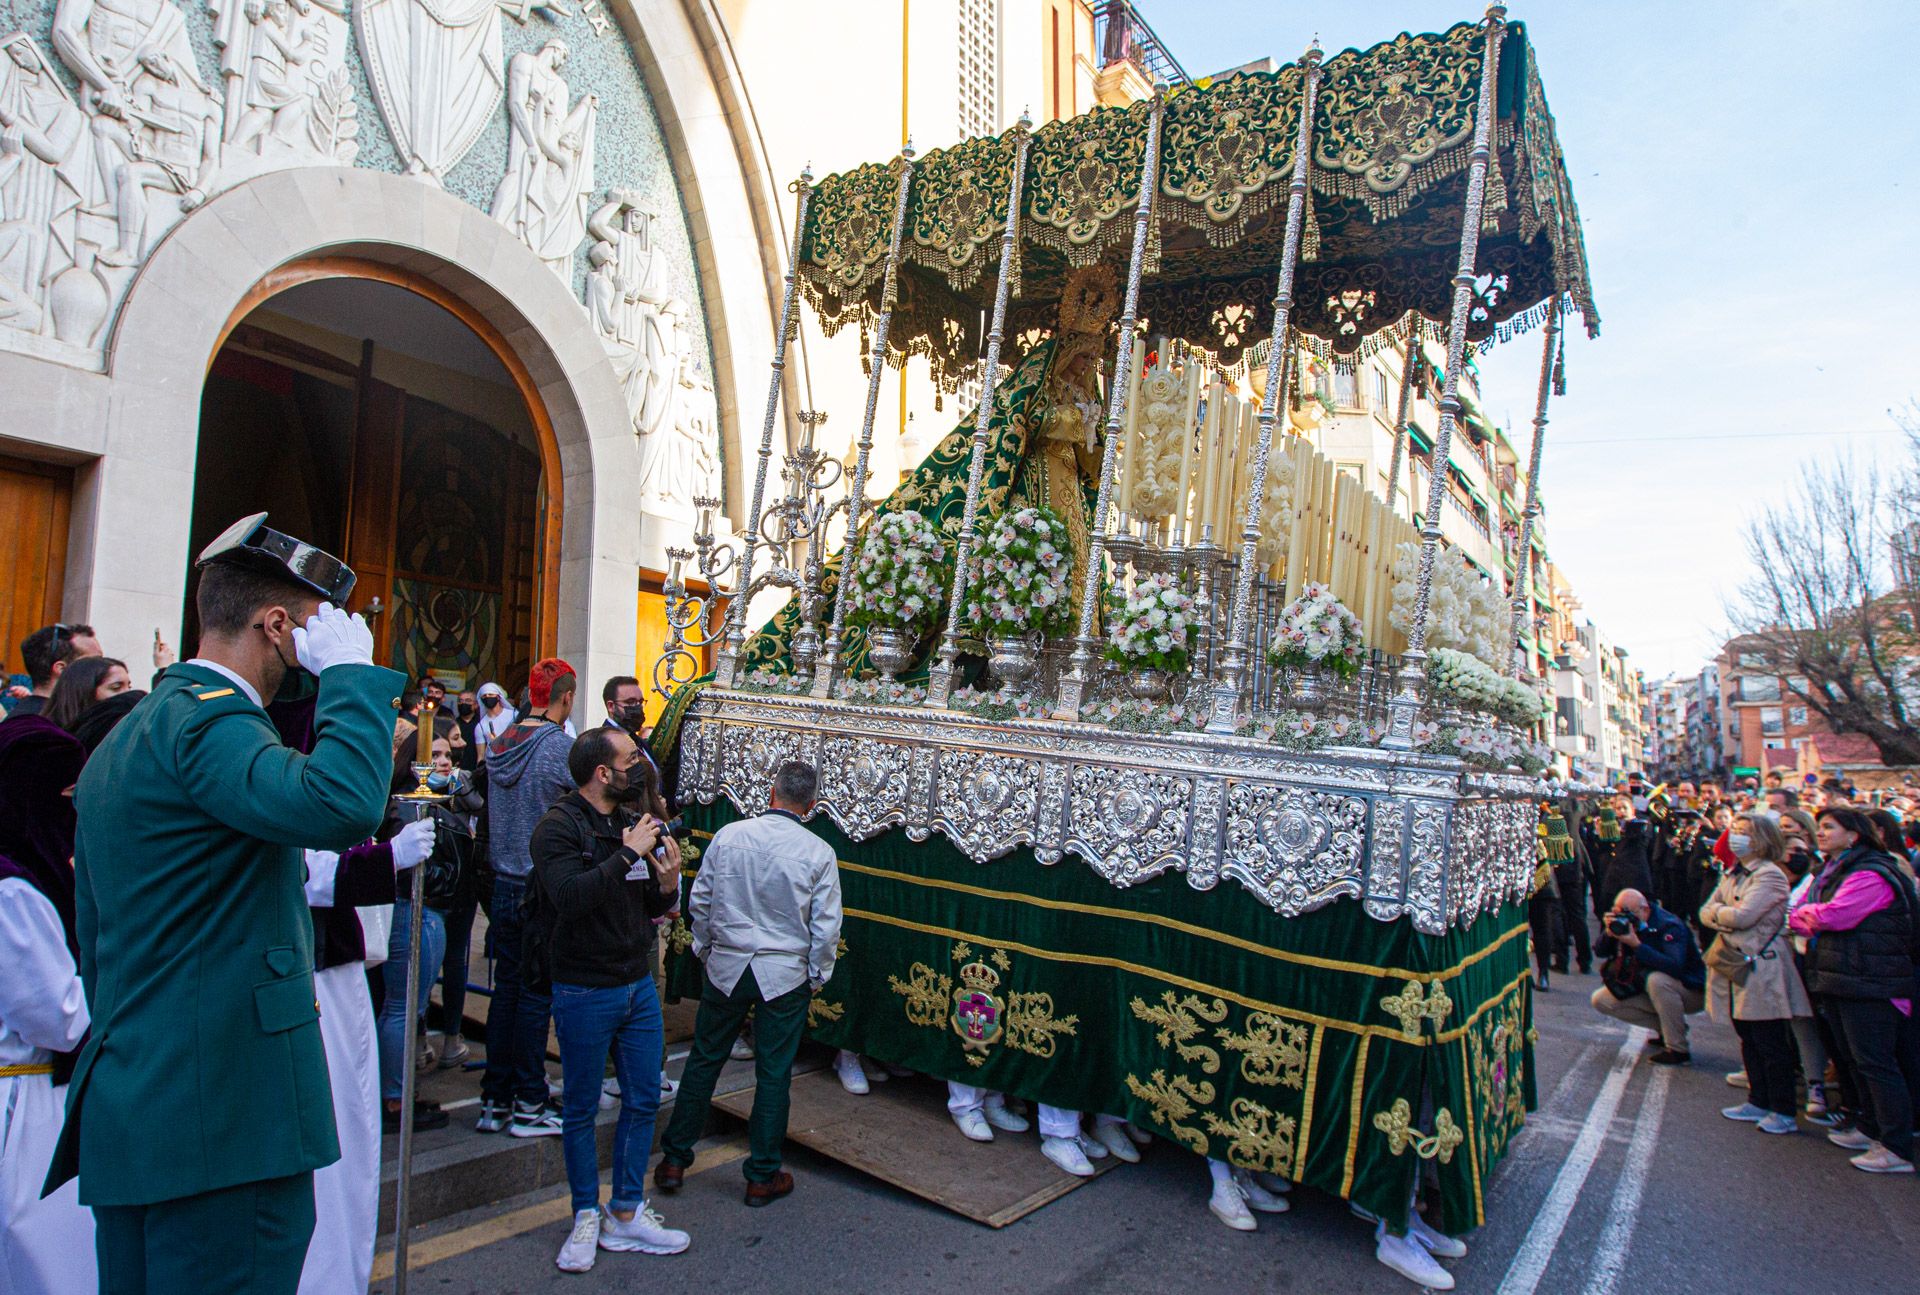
(204, 1069)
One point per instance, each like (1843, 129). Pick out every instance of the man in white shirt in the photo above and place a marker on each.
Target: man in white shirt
(765, 917)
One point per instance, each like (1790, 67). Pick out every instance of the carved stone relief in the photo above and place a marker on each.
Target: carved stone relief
(543, 197)
(286, 95)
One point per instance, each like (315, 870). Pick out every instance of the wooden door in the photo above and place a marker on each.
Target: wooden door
(374, 502)
(36, 502)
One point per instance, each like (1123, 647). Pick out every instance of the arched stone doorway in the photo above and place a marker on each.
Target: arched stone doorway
(271, 234)
(374, 414)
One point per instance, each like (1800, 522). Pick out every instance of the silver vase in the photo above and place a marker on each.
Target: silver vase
(889, 650)
(1013, 659)
(1144, 683)
(1312, 688)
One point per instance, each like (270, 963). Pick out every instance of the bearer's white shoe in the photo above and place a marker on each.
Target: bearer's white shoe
(646, 1232)
(852, 1077)
(1272, 1182)
(1230, 1207)
(1114, 1138)
(1433, 1241)
(1003, 1119)
(1258, 1197)
(583, 1244)
(1066, 1153)
(974, 1125)
(1410, 1259)
(1139, 1139)
(1090, 1147)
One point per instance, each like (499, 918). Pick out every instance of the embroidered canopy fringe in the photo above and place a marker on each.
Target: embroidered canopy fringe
(1392, 147)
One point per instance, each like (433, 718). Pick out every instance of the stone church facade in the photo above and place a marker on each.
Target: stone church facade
(576, 187)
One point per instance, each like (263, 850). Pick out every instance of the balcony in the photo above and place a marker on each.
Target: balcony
(1123, 36)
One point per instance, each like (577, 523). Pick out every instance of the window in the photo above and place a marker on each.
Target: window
(1798, 683)
(1759, 688)
(1797, 716)
(1770, 722)
(1346, 388)
(1380, 393)
(1751, 660)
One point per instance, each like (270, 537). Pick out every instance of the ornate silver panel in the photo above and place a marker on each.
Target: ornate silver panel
(1427, 867)
(863, 784)
(1410, 835)
(1296, 849)
(1386, 894)
(986, 804)
(1127, 823)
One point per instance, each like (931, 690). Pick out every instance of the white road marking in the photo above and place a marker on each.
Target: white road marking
(1611, 1251)
(1536, 1250)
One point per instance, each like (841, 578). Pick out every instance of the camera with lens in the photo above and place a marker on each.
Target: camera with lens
(1619, 924)
(676, 828)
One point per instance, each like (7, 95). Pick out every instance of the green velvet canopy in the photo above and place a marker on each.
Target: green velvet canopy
(1392, 136)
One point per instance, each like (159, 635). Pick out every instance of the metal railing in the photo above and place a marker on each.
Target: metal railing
(1122, 36)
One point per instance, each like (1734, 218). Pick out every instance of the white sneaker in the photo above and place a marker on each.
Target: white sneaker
(1778, 1124)
(454, 1052)
(1272, 1182)
(1738, 1079)
(1230, 1207)
(669, 1088)
(1746, 1113)
(646, 1232)
(1433, 1241)
(974, 1125)
(609, 1093)
(1114, 1138)
(1066, 1153)
(852, 1077)
(1410, 1259)
(1139, 1139)
(1256, 1196)
(1003, 1119)
(493, 1117)
(577, 1255)
(742, 1048)
(1878, 1160)
(1850, 1140)
(428, 1058)
(534, 1122)
(874, 1071)
(1090, 1147)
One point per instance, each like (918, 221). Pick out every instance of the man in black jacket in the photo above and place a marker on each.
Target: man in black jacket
(603, 872)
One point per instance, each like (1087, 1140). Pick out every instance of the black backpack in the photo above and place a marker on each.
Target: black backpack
(537, 920)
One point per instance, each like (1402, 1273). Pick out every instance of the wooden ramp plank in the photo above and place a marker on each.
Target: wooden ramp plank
(900, 1133)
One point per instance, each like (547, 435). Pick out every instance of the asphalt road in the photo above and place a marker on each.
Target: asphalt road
(1626, 1180)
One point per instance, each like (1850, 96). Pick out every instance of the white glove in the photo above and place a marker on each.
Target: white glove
(412, 844)
(331, 638)
(323, 866)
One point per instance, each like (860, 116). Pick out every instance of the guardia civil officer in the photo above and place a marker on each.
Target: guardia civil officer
(200, 1108)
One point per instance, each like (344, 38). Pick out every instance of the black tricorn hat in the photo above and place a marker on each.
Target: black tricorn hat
(252, 544)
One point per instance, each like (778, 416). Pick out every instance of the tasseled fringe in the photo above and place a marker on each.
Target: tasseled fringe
(1608, 828)
(1555, 845)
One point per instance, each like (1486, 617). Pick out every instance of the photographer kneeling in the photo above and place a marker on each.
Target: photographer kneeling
(1653, 975)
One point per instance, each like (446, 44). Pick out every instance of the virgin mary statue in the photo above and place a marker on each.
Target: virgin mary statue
(1043, 447)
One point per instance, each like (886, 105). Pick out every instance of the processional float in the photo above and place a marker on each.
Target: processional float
(1121, 615)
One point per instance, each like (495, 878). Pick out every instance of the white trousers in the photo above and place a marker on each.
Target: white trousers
(346, 1194)
(46, 1247)
(1055, 1122)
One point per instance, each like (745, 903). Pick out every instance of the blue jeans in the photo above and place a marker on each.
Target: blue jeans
(625, 1019)
(516, 1016)
(453, 969)
(396, 1034)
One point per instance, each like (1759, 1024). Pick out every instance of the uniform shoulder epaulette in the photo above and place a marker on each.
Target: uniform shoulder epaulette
(212, 694)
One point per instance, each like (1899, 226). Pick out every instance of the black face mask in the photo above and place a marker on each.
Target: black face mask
(630, 789)
(298, 683)
(467, 711)
(630, 715)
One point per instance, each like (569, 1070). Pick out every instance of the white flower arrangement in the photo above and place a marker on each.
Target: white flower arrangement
(1134, 716)
(898, 580)
(1004, 704)
(1490, 747)
(1471, 683)
(1022, 565)
(767, 679)
(1151, 625)
(1464, 611)
(884, 692)
(1316, 629)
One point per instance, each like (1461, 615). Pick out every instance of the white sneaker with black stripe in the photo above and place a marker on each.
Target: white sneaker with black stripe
(530, 1121)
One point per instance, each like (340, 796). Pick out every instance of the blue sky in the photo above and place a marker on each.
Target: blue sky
(1747, 176)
